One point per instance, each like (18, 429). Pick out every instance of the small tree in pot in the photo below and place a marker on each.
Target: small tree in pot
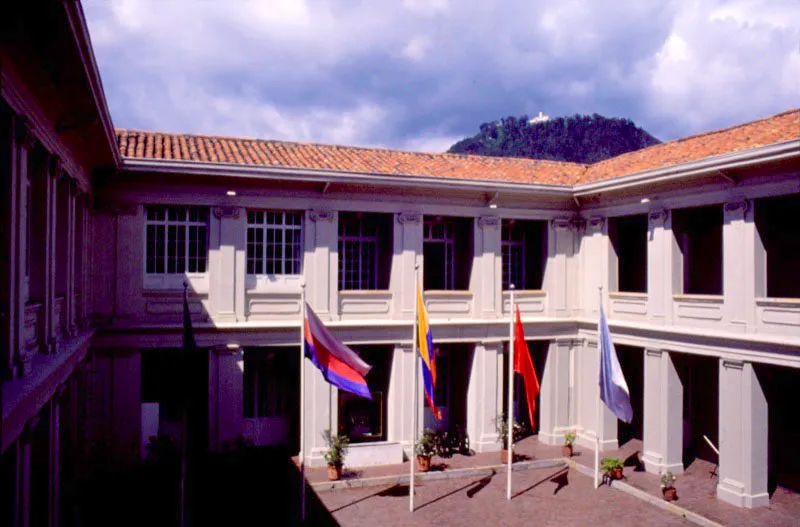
(426, 447)
(668, 486)
(334, 456)
(501, 424)
(612, 467)
(569, 438)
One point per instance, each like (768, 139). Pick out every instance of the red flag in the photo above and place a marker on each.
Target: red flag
(524, 365)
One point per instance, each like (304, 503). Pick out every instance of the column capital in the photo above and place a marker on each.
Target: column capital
(738, 207)
(653, 352)
(732, 364)
(117, 208)
(23, 133)
(409, 217)
(228, 349)
(596, 222)
(657, 217)
(488, 221)
(321, 215)
(226, 211)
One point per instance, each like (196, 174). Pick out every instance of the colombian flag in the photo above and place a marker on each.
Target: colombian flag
(340, 365)
(426, 352)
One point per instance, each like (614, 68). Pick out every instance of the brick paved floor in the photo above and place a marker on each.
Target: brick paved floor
(696, 487)
(542, 497)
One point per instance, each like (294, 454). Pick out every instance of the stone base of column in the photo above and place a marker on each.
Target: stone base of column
(655, 464)
(485, 443)
(733, 492)
(556, 437)
(588, 440)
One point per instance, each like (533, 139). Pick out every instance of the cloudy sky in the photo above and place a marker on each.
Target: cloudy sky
(421, 74)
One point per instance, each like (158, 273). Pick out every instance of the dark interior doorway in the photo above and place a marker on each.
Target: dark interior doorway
(631, 360)
(700, 378)
(538, 350)
(780, 387)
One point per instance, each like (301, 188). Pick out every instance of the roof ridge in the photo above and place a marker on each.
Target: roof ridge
(349, 147)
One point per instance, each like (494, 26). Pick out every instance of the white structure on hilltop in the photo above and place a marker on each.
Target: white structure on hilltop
(541, 118)
(101, 228)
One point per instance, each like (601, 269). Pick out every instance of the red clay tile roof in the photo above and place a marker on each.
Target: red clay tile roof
(255, 152)
(776, 129)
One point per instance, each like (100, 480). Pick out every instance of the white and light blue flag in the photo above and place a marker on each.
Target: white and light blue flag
(613, 388)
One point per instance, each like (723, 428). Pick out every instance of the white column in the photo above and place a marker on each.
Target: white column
(560, 253)
(485, 396)
(130, 221)
(590, 424)
(51, 182)
(743, 254)
(554, 393)
(660, 247)
(9, 215)
(225, 394)
(407, 253)
(72, 191)
(320, 413)
(25, 142)
(663, 414)
(486, 279)
(23, 479)
(743, 436)
(322, 276)
(400, 396)
(594, 257)
(54, 486)
(226, 271)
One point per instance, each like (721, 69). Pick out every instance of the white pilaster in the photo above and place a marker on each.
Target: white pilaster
(54, 486)
(322, 276)
(225, 395)
(407, 254)
(23, 480)
(226, 266)
(560, 253)
(554, 393)
(485, 396)
(320, 413)
(742, 249)
(9, 215)
(72, 191)
(126, 407)
(595, 248)
(590, 424)
(400, 396)
(663, 414)
(743, 436)
(486, 279)
(660, 247)
(25, 142)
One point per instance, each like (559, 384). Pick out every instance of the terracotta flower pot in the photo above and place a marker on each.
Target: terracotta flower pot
(616, 473)
(566, 450)
(504, 455)
(670, 494)
(334, 472)
(423, 463)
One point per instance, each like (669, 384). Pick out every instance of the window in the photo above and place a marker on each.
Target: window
(629, 239)
(524, 253)
(274, 242)
(447, 251)
(177, 239)
(699, 235)
(775, 220)
(363, 420)
(270, 382)
(364, 251)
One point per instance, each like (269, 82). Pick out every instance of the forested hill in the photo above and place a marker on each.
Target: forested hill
(579, 138)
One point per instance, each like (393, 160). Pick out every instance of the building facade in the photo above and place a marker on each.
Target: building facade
(692, 244)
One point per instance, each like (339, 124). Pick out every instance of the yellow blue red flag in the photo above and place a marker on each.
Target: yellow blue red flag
(426, 352)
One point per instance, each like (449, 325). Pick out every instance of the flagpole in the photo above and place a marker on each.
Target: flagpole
(302, 402)
(510, 443)
(414, 353)
(599, 407)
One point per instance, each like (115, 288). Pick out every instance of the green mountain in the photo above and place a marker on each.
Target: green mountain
(579, 138)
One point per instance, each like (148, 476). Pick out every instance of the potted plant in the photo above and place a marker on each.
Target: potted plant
(501, 423)
(426, 447)
(334, 456)
(611, 467)
(569, 438)
(668, 486)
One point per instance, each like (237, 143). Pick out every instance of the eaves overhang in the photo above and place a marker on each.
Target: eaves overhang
(709, 165)
(80, 32)
(195, 168)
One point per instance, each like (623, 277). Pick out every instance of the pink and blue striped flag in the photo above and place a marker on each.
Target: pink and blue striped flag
(340, 365)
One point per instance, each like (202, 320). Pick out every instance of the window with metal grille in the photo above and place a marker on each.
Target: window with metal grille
(177, 239)
(274, 242)
(439, 254)
(524, 252)
(358, 252)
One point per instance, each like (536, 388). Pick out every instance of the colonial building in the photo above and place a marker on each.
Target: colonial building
(693, 243)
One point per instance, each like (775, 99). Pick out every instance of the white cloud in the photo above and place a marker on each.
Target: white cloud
(418, 73)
